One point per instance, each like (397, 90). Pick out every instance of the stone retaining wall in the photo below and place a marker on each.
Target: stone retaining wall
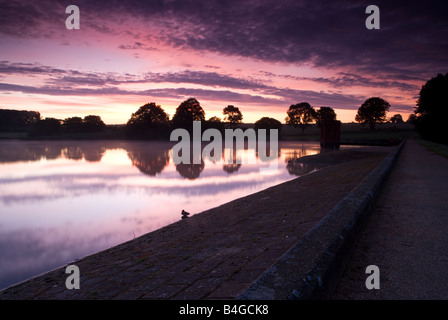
(311, 269)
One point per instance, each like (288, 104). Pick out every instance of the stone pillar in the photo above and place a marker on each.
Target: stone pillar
(330, 134)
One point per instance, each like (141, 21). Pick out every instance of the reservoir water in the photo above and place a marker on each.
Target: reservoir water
(63, 200)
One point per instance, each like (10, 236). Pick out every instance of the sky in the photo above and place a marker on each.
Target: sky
(260, 56)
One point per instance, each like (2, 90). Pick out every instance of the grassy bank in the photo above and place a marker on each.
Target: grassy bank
(440, 149)
(355, 134)
(374, 137)
(12, 135)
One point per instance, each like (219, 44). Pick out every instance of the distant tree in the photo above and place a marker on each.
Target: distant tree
(372, 111)
(45, 127)
(17, 120)
(396, 118)
(214, 119)
(432, 109)
(268, 124)
(149, 121)
(73, 125)
(232, 114)
(412, 118)
(188, 111)
(215, 123)
(149, 114)
(93, 124)
(300, 115)
(325, 113)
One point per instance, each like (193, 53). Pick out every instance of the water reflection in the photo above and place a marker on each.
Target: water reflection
(299, 169)
(231, 167)
(61, 200)
(150, 161)
(292, 159)
(190, 171)
(14, 152)
(233, 164)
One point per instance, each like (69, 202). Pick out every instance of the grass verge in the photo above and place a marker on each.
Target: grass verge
(439, 148)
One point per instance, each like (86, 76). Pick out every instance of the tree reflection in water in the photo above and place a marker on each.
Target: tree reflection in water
(190, 171)
(149, 162)
(35, 151)
(230, 166)
(150, 158)
(295, 166)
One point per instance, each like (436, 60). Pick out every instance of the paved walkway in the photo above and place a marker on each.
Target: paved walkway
(407, 236)
(216, 254)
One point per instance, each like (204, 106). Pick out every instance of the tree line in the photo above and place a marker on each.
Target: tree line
(31, 122)
(150, 121)
(13, 120)
(53, 126)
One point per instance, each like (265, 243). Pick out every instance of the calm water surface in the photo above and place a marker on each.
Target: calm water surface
(62, 200)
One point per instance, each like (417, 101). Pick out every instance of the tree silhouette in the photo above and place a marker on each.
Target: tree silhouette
(148, 114)
(93, 124)
(300, 115)
(232, 114)
(17, 119)
(45, 127)
(73, 125)
(372, 111)
(188, 111)
(432, 109)
(214, 123)
(325, 113)
(412, 118)
(396, 118)
(149, 121)
(268, 123)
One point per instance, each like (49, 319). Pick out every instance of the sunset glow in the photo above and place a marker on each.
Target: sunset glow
(259, 56)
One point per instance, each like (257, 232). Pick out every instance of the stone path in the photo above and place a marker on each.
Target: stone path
(218, 253)
(407, 236)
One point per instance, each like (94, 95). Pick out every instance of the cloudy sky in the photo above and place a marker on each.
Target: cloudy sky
(261, 56)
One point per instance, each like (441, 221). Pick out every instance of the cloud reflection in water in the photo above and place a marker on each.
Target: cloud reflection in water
(62, 200)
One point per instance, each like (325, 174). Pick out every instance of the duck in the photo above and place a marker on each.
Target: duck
(185, 214)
